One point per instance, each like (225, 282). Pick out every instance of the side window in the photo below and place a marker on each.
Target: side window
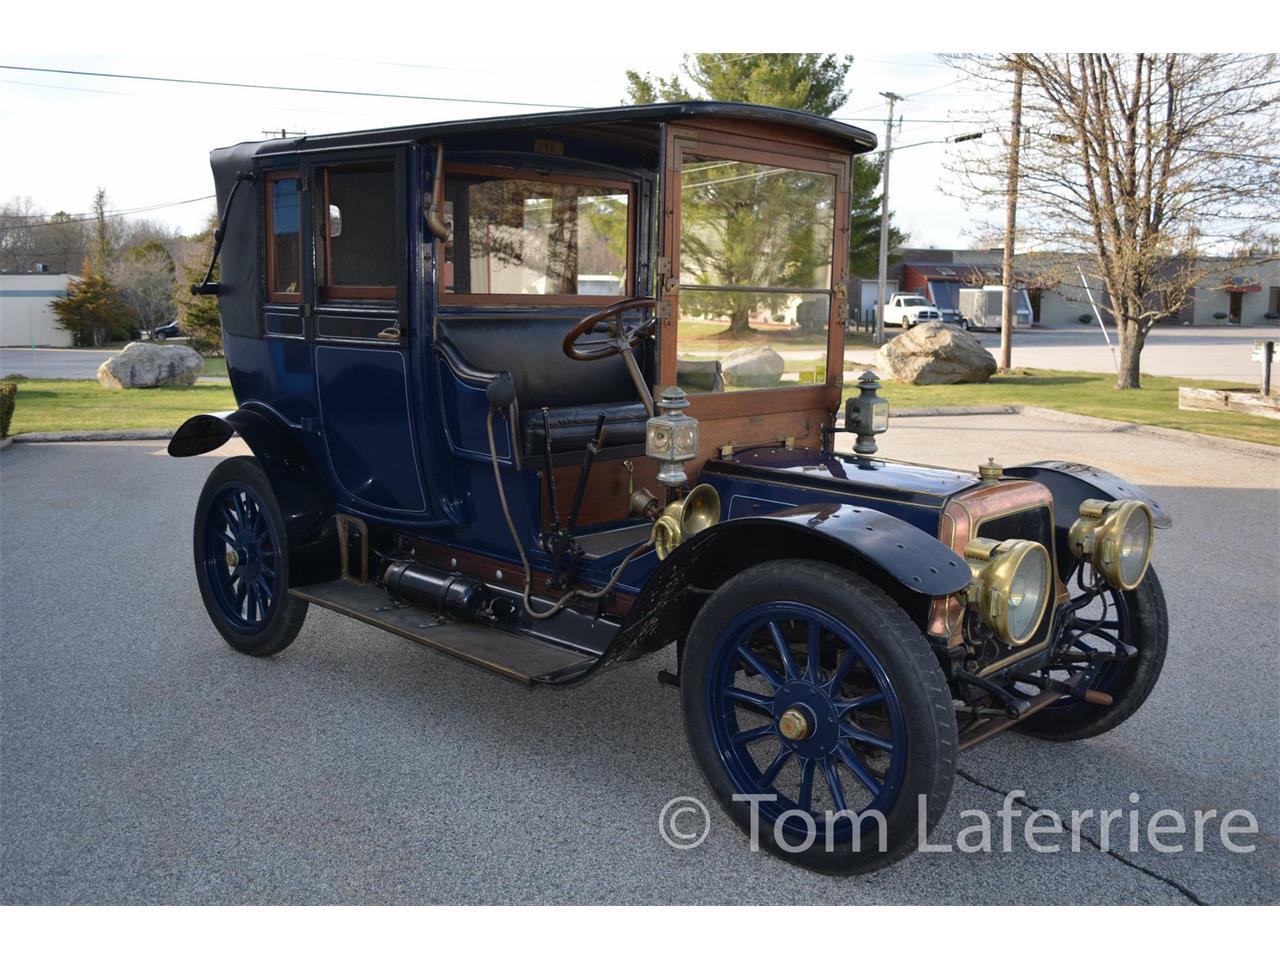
(356, 220)
(284, 240)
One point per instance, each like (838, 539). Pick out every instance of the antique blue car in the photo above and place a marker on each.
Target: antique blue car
(549, 392)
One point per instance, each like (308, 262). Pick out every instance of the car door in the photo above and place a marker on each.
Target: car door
(362, 332)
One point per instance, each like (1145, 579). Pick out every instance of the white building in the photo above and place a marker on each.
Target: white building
(26, 309)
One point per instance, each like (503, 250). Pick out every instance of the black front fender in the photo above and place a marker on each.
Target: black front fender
(300, 490)
(908, 563)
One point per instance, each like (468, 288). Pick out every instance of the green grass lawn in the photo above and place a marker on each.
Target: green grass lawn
(49, 405)
(215, 367)
(1094, 395)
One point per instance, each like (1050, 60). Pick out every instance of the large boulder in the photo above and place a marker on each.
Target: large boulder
(937, 353)
(753, 367)
(150, 365)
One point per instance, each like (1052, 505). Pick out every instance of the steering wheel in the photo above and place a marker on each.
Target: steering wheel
(623, 335)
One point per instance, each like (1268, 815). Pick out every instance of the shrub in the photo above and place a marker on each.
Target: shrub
(8, 397)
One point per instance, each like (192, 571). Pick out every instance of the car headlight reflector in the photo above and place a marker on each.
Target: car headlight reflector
(1011, 586)
(1116, 537)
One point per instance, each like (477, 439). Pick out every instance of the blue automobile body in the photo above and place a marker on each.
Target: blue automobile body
(391, 431)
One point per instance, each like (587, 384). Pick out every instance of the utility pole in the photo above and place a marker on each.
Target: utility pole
(884, 219)
(1010, 220)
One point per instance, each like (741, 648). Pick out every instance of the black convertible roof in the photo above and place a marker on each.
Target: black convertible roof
(855, 138)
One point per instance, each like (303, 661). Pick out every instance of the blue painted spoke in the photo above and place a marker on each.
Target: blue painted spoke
(854, 732)
(264, 590)
(268, 571)
(814, 672)
(233, 520)
(858, 703)
(756, 702)
(755, 733)
(833, 784)
(842, 671)
(805, 800)
(860, 769)
(784, 651)
(775, 768)
(752, 659)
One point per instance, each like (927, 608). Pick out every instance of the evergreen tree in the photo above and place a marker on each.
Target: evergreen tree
(93, 310)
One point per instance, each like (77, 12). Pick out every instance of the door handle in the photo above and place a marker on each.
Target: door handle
(389, 333)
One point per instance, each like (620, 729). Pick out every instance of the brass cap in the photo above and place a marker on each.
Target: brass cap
(794, 724)
(990, 471)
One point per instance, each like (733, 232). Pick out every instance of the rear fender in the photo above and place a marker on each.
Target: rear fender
(910, 565)
(300, 490)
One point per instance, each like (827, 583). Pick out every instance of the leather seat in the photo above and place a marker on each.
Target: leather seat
(529, 348)
(573, 427)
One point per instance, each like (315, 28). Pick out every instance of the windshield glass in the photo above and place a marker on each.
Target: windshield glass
(914, 301)
(755, 269)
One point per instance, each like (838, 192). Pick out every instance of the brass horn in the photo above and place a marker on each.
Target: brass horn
(685, 518)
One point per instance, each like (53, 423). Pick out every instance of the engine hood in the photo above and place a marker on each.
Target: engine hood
(800, 476)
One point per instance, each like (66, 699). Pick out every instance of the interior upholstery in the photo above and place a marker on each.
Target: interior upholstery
(529, 348)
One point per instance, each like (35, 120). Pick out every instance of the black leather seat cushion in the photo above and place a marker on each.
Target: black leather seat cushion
(529, 347)
(573, 427)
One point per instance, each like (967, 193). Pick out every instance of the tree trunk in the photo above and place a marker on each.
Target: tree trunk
(739, 323)
(1130, 352)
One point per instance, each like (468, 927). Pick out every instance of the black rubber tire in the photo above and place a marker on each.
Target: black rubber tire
(1077, 720)
(895, 640)
(280, 629)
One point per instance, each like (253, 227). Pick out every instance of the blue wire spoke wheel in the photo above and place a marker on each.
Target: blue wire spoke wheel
(800, 707)
(810, 690)
(240, 557)
(242, 560)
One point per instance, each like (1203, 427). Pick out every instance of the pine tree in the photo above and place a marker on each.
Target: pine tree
(93, 310)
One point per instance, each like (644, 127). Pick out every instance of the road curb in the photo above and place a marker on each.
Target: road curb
(84, 436)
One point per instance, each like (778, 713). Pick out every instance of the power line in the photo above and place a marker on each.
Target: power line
(287, 89)
(88, 218)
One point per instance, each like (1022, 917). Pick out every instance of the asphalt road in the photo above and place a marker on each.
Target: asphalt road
(49, 363)
(141, 760)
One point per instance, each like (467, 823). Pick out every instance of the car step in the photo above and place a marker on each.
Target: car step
(511, 655)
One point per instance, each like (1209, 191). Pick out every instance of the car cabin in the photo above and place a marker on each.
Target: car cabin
(374, 337)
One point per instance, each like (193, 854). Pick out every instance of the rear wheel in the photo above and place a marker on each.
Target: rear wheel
(806, 687)
(242, 560)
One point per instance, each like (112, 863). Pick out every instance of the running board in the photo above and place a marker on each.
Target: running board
(511, 655)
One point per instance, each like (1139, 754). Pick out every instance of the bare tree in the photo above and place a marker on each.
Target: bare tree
(145, 278)
(1147, 163)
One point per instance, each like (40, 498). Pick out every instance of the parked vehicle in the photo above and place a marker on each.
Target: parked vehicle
(906, 310)
(455, 437)
(982, 307)
(167, 331)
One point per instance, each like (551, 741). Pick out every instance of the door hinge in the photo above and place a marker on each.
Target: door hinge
(304, 184)
(663, 310)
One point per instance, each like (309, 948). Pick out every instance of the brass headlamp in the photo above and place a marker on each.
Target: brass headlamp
(1010, 587)
(1116, 537)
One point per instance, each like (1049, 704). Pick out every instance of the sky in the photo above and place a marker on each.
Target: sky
(147, 143)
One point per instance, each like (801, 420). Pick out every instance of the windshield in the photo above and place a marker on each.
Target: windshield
(914, 302)
(755, 269)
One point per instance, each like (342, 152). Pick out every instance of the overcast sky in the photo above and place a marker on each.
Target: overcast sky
(147, 143)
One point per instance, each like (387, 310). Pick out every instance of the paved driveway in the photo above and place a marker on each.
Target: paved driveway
(53, 364)
(142, 760)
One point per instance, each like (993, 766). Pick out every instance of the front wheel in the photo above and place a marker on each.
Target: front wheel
(812, 698)
(242, 560)
(1127, 632)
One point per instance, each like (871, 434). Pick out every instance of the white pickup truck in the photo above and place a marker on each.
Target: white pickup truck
(906, 310)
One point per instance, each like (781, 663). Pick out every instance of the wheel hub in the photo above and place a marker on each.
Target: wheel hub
(806, 718)
(794, 724)
(233, 558)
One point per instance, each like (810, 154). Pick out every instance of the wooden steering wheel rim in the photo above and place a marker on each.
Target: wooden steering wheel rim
(632, 303)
